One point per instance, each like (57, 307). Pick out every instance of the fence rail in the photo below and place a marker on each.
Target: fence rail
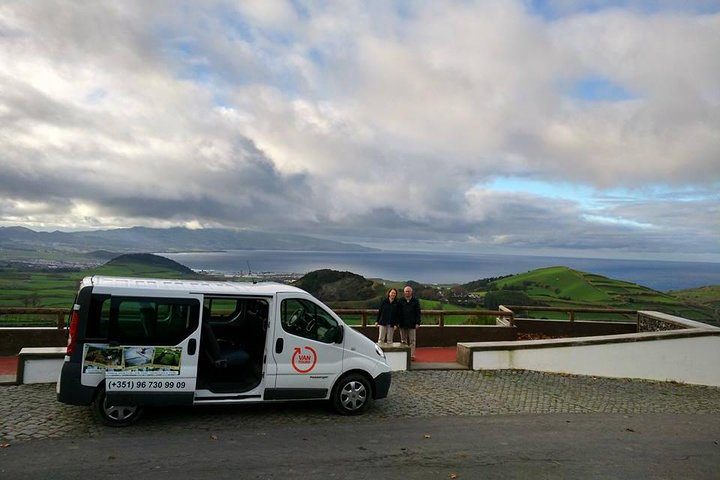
(60, 313)
(437, 314)
(505, 314)
(570, 311)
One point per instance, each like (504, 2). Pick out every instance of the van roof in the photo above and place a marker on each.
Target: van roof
(190, 286)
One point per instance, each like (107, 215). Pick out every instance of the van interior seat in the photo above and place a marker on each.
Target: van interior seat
(221, 358)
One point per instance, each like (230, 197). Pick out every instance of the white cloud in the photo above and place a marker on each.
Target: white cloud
(346, 117)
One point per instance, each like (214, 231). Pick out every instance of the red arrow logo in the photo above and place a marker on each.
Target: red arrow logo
(304, 362)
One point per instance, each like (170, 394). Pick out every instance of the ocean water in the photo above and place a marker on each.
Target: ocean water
(435, 267)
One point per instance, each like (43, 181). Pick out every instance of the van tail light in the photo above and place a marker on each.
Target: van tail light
(72, 330)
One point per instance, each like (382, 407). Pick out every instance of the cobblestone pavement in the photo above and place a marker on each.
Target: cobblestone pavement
(31, 411)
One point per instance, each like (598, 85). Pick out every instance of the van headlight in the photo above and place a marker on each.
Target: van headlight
(379, 351)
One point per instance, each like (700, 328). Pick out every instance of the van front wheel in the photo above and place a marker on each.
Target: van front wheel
(351, 394)
(115, 415)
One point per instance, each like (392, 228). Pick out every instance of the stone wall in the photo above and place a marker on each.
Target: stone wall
(652, 324)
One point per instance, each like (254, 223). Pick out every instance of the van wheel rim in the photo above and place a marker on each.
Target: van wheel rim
(119, 413)
(353, 395)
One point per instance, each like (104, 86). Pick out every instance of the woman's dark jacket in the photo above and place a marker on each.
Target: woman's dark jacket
(388, 313)
(409, 312)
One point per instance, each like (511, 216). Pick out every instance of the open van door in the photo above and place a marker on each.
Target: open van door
(307, 349)
(148, 350)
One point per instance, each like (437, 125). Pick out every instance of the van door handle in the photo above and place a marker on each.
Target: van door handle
(192, 346)
(279, 344)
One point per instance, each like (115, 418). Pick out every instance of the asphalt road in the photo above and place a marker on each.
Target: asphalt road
(653, 446)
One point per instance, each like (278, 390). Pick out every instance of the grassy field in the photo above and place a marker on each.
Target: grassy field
(559, 287)
(563, 287)
(57, 289)
(708, 296)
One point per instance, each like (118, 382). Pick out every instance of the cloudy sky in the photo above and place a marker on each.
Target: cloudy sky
(552, 127)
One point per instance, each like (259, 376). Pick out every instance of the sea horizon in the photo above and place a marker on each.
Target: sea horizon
(449, 267)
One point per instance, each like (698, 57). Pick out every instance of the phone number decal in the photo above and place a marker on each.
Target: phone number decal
(149, 385)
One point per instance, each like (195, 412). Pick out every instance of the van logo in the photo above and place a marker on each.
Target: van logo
(304, 362)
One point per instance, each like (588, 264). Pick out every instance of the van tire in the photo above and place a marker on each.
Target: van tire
(351, 394)
(114, 415)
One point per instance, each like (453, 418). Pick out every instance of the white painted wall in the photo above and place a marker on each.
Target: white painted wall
(42, 370)
(397, 360)
(688, 359)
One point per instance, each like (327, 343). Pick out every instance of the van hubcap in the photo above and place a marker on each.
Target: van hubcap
(353, 395)
(119, 412)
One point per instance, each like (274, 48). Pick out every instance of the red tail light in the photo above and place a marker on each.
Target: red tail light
(72, 331)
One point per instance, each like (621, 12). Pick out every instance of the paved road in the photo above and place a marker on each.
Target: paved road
(30, 412)
(505, 424)
(606, 446)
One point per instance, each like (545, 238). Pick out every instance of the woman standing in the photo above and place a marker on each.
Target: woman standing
(387, 317)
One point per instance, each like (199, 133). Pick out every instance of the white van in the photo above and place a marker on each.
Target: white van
(136, 342)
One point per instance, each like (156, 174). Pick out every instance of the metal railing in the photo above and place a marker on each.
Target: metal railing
(60, 313)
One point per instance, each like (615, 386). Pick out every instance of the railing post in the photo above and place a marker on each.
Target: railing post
(571, 313)
(60, 321)
(363, 318)
(441, 319)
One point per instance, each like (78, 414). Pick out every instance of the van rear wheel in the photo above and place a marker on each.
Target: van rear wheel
(115, 415)
(351, 394)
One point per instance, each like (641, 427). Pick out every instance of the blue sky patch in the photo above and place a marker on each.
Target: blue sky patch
(554, 9)
(599, 89)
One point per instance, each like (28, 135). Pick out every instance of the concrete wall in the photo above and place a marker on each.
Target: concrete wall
(40, 364)
(12, 340)
(573, 329)
(45, 370)
(664, 356)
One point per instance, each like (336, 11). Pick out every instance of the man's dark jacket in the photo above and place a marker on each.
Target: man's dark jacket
(409, 313)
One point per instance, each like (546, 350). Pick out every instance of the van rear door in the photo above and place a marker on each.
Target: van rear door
(147, 350)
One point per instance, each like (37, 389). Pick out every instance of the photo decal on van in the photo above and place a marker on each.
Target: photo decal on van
(131, 360)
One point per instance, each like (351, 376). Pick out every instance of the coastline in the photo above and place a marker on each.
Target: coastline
(448, 267)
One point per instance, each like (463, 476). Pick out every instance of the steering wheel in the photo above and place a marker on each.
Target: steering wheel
(296, 316)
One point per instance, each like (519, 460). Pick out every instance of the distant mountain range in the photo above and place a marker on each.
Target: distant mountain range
(142, 239)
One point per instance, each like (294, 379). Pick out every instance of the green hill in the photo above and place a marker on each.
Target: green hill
(568, 288)
(707, 297)
(145, 265)
(337, 287)
(30, 288)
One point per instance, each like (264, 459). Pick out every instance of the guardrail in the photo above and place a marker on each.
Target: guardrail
(439, 315)
(60, 313)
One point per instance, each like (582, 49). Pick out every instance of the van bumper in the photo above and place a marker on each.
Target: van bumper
(70, 390)
(382, 385)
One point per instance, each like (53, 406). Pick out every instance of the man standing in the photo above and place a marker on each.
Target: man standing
(409, 319)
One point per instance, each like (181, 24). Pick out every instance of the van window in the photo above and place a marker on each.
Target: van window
(306, 319)
(98, 317)
(141, 321)
(148, 321)
(223, 310)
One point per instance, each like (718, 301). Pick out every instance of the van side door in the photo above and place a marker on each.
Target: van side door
(307, 348)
